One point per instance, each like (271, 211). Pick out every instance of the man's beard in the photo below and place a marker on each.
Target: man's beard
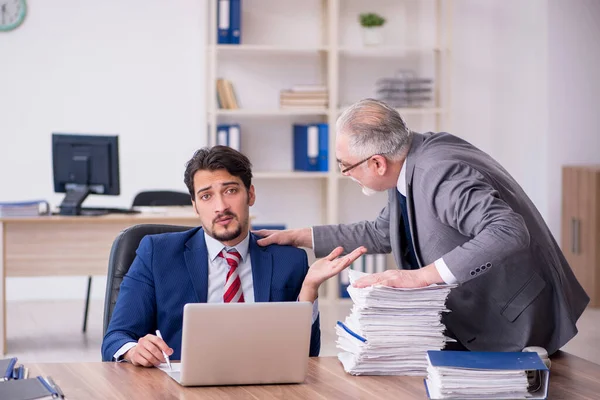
(366, 191)
(227, 235)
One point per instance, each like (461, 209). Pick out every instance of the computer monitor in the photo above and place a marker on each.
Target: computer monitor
(83, 165)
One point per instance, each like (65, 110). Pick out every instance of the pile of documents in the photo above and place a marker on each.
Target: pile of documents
(304, 96)
(389, 330)
(486, 375)
(24, 209)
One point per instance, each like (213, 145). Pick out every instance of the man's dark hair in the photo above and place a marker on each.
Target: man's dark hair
(215, 158)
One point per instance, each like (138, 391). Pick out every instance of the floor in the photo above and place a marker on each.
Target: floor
(51, 331)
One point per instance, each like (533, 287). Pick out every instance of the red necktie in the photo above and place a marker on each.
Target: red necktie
(233, 284)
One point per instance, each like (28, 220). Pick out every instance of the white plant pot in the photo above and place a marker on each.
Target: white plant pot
(372, 36)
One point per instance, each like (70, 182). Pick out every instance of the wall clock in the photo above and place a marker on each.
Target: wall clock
(12, 14)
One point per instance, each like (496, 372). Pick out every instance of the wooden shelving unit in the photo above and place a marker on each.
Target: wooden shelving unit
(318, 42)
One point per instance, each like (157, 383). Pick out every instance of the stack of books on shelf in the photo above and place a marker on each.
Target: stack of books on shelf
(404, 90)
(389, 330)
(226, 98)
(304, 96)
(486, 375)
(24, 209)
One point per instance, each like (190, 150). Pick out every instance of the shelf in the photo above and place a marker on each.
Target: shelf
(322, 46)
(386, 51)
(270, 49)
(290, 175)
(273, 112)
(413, 111)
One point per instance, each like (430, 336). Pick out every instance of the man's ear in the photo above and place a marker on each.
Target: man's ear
(251, 196)
(380, 164)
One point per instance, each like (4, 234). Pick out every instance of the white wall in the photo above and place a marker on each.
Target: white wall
(523, 89)
(133, 68)
(499, 86)
(574, 93)
(526, 89)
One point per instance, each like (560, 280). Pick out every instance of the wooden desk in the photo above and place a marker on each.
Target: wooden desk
(66, 246)
(570, 378)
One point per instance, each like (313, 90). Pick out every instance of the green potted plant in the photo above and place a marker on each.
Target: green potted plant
(372, 28)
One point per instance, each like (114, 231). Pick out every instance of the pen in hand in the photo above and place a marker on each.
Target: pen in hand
(164, 354)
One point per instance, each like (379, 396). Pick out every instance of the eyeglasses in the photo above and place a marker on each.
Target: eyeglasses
(346, 169)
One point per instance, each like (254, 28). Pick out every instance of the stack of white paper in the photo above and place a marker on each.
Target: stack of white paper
(486, 375)
(23, 209)
(458, 383)
(389, 330)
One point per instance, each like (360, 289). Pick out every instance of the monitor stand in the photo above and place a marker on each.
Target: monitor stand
(71, 204)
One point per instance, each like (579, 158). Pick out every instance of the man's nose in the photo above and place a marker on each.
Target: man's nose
(220, 204)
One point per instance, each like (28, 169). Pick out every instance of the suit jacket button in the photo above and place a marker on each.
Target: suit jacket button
(472, 272)
(477, 270)
(483, 267)
(489, 265)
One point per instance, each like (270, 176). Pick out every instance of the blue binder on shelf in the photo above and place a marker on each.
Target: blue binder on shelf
(222, 135)
(310, 147)
(223, 22)
(235, 21)
(234, 138)
(494, 361)
(229, 135)
(323, 146)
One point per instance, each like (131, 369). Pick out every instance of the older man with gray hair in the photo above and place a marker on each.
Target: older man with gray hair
(454, 215)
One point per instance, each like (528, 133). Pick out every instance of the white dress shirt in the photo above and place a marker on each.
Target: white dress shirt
(217, 276)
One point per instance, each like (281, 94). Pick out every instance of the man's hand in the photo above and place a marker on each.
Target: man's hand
(401, 278)
(294, 237)
(324, 269)
(148, 352)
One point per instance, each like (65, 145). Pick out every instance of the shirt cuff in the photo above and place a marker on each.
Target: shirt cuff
(445, 272)
(312, 238)
(124, 349)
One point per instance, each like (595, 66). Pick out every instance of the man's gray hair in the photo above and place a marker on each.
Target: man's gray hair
(373, 127)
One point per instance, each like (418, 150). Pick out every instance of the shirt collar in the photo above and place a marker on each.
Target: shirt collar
(401, 185)
(215, 247)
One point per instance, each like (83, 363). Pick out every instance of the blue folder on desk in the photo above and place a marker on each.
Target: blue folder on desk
(493, 361)
(7, 366)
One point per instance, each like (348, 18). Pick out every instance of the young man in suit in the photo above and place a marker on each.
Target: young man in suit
(454, 215)
(217, 262)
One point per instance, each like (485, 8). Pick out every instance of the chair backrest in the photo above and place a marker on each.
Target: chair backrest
(121, 257)
(162, 198)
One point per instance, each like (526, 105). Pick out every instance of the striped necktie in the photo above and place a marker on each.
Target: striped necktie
(233, 285)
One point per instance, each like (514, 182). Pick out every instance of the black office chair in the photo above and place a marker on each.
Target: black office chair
(146, 198)
(122, 255)
(162, 198)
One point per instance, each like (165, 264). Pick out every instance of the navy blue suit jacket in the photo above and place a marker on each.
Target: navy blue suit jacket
(171, 270)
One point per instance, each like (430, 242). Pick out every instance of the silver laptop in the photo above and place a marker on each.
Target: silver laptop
(243, 343)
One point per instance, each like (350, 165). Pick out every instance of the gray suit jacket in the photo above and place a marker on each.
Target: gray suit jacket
(516, 288)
